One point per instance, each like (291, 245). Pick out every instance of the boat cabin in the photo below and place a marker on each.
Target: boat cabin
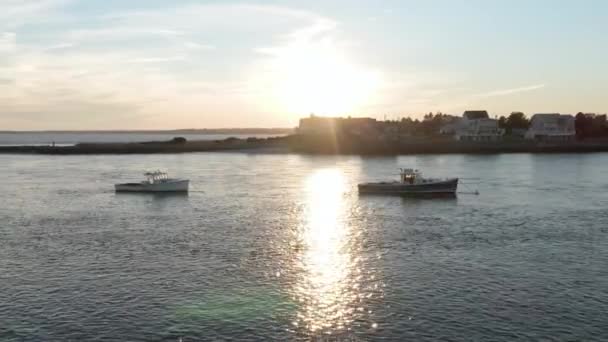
(156, 177)
(410, 176)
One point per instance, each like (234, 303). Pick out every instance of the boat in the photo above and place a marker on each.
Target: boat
(156, 181)
(412, 183)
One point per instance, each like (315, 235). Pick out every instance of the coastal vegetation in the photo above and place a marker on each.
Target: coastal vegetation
(587, 125)
(365, 136)
(321, 144)
(517, 120)
(590, 126)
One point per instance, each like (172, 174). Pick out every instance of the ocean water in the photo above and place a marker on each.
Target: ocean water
(281, 247)
(71, 138)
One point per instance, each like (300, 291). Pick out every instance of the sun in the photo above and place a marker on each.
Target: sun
(317, 78)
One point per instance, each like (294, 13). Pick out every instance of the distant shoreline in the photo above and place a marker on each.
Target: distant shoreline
(314, 146)
(210, 131)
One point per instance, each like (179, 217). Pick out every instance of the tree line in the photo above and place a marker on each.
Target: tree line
(431, 124)
(590, 126)
(586, 125)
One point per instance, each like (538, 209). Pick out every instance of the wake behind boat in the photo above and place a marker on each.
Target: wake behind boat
(412, 183)
(156, 181)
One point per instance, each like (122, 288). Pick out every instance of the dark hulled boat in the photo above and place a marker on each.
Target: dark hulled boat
(412, 183)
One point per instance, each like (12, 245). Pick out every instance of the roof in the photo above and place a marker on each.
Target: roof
(546, 115)
(540, 122)
(475, 114)
(554, 117)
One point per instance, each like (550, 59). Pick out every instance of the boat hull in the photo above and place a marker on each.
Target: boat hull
(172, 186)
(446, 187)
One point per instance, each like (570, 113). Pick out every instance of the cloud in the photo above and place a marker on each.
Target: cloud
(158, 59)
(243, 18)
(10, 8)
(7, 42)
(198, 46)
(504, 92)
(120, 33)
(59, 46)
(153, 62)
(318, 27)
(16, 13)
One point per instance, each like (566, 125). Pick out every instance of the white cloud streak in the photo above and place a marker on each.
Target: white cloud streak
(158, 59)
(16, 13)
(511, 91)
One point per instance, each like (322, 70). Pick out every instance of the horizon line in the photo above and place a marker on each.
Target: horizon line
(147, 130)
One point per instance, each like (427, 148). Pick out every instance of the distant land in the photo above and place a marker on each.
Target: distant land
(171, 131)
(319, 144)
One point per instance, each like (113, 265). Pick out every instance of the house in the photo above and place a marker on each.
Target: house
(475, 114)
(477, 126)
(367, 127)
(450, 125)
(551, 127)
(314, 125)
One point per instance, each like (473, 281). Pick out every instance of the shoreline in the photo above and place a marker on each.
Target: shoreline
(315, 145)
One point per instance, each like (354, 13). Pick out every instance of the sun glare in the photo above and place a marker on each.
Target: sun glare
(329, 284)
(316, 78)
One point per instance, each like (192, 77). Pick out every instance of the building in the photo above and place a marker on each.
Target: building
(314, 125)
(551, 127)
(475, 114)
(450, 128)
(476, 125)
(450, 124)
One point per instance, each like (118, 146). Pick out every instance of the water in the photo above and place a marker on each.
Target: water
(71, 138)
(281, 247)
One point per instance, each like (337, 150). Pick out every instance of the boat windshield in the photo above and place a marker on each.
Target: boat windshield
(409, 176)
(156, 176)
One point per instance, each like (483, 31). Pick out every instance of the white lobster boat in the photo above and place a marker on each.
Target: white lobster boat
(412, 183)
(156, 181)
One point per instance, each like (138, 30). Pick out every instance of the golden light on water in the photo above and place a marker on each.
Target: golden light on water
(328, 287)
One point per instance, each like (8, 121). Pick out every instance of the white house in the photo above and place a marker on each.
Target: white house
(551, 127)
(477, 126)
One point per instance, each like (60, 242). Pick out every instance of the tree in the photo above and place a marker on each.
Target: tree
(502, 122)
(598, 125)
(579, 125)
(517, 120)
(179, 140)
(590, 125)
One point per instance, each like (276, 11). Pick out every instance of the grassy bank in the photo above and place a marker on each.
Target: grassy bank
(173, 146)
(321, 145)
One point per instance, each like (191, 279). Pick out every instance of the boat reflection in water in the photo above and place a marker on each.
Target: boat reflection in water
(330, 289)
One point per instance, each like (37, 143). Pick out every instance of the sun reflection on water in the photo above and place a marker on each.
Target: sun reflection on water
(328, 290)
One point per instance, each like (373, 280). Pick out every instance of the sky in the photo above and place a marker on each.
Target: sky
(152, 64)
